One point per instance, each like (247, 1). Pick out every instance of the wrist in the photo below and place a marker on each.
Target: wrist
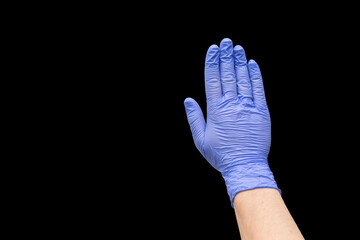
(246, 177)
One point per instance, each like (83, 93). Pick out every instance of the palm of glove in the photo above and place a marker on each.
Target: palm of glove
(237, 133)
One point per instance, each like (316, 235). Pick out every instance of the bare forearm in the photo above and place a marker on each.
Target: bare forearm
(262, 214)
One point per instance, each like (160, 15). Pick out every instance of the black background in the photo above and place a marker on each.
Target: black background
(139, 170)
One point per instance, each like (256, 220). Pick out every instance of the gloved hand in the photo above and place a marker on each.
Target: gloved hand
(235, 139)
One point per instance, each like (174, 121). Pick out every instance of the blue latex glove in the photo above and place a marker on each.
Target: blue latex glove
(235, 139)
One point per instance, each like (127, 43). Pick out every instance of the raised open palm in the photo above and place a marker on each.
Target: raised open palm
(236, 137)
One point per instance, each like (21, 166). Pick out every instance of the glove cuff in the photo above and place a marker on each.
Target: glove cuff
(242, 178)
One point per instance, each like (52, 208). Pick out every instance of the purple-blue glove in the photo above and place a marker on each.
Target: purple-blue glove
(235, 139)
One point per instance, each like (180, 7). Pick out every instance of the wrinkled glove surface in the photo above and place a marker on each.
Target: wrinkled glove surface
(235, 139)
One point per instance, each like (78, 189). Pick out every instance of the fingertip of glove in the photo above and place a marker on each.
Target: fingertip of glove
(188, 101)
(239, 56)
(226, 40)
(213, 46)
(238, 48)
(213, 51)
(212, 56)
(189, 106)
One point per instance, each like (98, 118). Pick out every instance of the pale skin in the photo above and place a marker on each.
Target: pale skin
(262, 214)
